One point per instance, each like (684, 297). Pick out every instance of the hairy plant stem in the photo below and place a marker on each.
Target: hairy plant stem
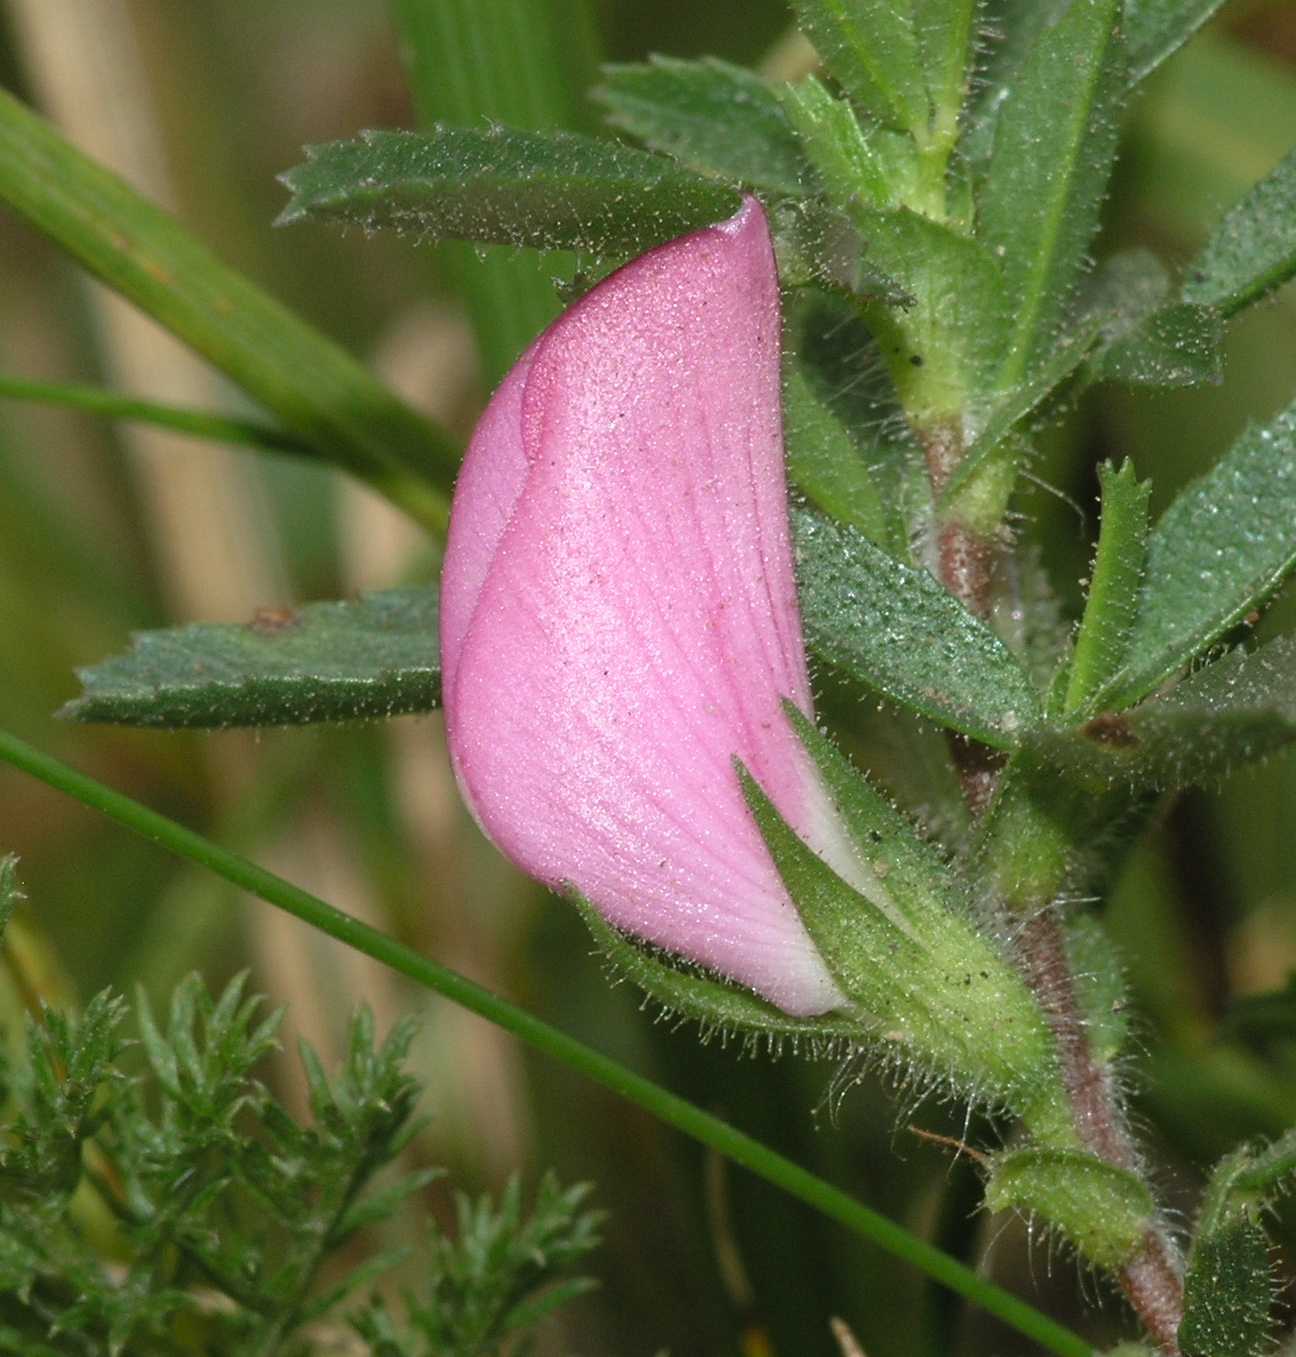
(1152, 1280)
(966, 557)
(965, 561)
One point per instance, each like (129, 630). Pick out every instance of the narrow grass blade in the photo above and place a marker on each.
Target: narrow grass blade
(317, 390)
(94, 400)
(462, 62)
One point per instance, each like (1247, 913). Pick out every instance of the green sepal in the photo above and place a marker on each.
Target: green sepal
(358, 659)
(858, 938)
(907, 871)
(933, 991)
(687, 991)
(1103, 1211)
(1111, 609)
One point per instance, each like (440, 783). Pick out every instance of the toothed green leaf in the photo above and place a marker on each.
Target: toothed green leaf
(711, 116)
(1222, 547)
(1253, 250)
(843, 402)
(1232, 712)
(1054, 143)
(1179, 345)
(848, 158)
(1156, 29)
(375, 656)
(946, 33)
(549, 191)
(872, 51)
(825, 464)
(1229, 1286)
(894, 628)
(1229, 1291)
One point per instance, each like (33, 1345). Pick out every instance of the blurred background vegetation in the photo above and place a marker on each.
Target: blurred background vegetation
(105, 529)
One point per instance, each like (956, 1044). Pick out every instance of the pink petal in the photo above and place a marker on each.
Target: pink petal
(619, 614)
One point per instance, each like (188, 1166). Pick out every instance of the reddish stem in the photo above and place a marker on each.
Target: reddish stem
(1152, 1281)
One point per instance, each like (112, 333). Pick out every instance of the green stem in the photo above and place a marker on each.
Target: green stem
(948, 47)
(949, 83)
(1033, 836)
(666, 1106)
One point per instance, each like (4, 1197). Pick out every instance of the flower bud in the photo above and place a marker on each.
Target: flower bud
(619, 617)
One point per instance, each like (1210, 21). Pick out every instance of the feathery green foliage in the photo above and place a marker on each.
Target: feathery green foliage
(156, 1198)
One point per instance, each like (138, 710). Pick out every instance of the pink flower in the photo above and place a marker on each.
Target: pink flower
(619, 615)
